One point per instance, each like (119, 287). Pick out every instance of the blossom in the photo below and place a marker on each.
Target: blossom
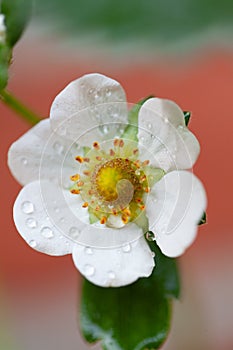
(2, 29)
(96, 182)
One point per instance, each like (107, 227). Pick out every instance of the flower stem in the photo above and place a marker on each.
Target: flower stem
(19, 108)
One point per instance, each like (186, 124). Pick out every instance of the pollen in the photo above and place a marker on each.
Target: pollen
(75, 177)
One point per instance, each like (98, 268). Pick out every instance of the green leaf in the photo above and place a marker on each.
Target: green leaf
(135, 317)
(203, 219)
(17, 13)
(187, 116)
(131, 131)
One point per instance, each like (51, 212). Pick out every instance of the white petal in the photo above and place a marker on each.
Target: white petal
(162, 133)
(91, 107)
(35, 225)
(40, 153)
(114, 267)
(174, 208)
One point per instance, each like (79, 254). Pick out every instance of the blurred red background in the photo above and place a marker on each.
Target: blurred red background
(41, 293)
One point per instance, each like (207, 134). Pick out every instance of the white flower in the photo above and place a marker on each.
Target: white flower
(93, 192)
(2, 29)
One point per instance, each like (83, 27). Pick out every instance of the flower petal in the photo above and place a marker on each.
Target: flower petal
(115, 267)
(162, 133)
(174, 208)
(93, 106)
(32, 155)
(35, 225)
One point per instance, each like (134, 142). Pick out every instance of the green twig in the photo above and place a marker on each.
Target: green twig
(18, 107)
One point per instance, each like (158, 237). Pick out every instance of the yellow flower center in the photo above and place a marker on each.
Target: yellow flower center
(112, 182)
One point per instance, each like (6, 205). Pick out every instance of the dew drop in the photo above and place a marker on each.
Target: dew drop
(97, 95)
(166, 120)
(32, 243)
(31, 223)
(152, 254)
(24, 161)
(27, 207)
(88, 250)
(89, 270)
(142, 138)
(126, 248)
(74, 232)
(149, 126)
(104, 129)
(47, 232)
(111, 275)
(58, 148)
(90, 91)
(150, 236)
(108, 92)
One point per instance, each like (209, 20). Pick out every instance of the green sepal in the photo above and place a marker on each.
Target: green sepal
(203, 219)
(135, 317)
(187, 116)
(17, 13)
(131, 131)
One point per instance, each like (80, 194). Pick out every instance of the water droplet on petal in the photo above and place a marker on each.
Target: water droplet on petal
(47, 232)
(108, 92)
(126, 248)
(24, 161)
(104, 129)
(89, 270)
(88, 250)
(74, 232)
(31, 223)
(149, 126)
(150, 236)
(32, 243)
(166, 120)
(97, 94)
(90, 91)
(111, 275)
(27, 207)
(58, 148)
(152, 254)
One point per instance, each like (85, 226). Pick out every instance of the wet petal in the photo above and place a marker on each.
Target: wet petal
(114, 267)
(174, 208)
(163, 135)
(40, 153)
(92, 107)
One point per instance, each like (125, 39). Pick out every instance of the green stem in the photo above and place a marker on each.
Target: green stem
(18, 107)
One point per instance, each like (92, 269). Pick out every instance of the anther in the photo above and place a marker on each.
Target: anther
(86, 172)
(146, 162)
(75, 191)
(79, 159)
(111, 152)
(96, 145)
(121, 143)
(75, 177)
(142, 178)
(98, 158)
(124, 218)
(116, 142)
(103, 220)
(86, 159)
(114, 211)
(127, 212)
(142, 207)
(135, 151)
(80, 183)
(85, 205)
(147, 189)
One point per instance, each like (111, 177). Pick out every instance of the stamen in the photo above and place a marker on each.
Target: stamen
(124, 218)
(86, 159)
(135, 151)
(142, 207)
(142, 178)
(146, 162)
(98, 158)
(121, 143)
(114, 211)
(79, 159)
(116, 142)
(75, 177)
(96, 145)
(147, 189)
(111, 152)
(80, 183)
(127, 211)
(137, 163)
(86, 172)
(74, 191)
(85, 205)
(103, 220)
